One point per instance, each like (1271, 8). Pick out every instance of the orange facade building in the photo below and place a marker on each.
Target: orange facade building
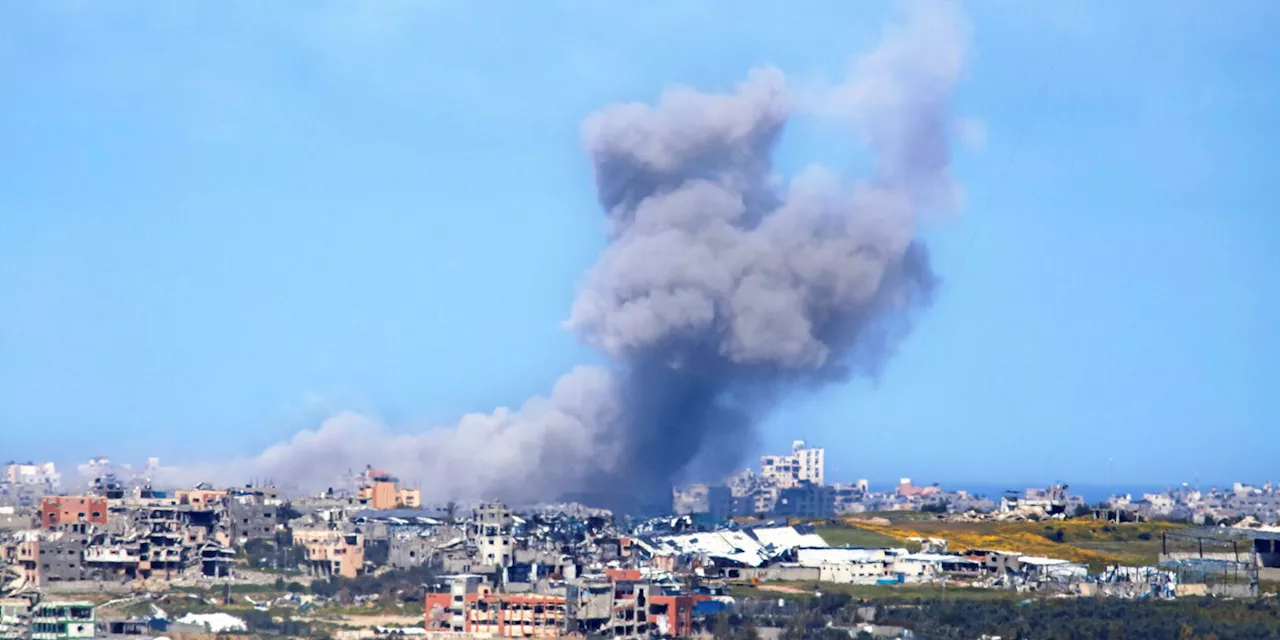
(332, 553)
(383, 492)
(201, 498)
(57, 510)
(503, 615)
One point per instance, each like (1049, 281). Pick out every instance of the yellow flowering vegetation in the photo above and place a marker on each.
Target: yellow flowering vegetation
(1085, 541)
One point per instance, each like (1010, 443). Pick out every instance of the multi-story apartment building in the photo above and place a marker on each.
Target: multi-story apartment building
(57, 510)
(200, 497)
(476, 608)
(331, 552)
(58, 620)
(491, 528)
(803, 465)
(383, 491)
(806, 500)
(613, 606)
(43, 474)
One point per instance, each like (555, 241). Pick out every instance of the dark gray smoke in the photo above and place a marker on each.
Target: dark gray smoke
(720, 288)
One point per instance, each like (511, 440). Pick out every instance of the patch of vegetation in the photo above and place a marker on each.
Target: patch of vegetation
(290, 587)
(1080, 540)
(138, 609)
(1012, 618)
(216, 591)
(1182, 619)
(936, 507)
(275, 622)
(407, 586)
(1055, 535)
(273, 556)
(875, 593)
(847, 536)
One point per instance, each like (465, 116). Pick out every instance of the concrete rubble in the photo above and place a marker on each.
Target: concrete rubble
(543, 570)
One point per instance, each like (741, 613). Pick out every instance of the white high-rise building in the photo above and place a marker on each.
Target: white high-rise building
(803, 465)
(29, 474)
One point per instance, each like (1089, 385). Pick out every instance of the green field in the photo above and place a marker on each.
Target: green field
(846, 536)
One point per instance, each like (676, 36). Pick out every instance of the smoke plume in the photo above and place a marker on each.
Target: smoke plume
(719, 290)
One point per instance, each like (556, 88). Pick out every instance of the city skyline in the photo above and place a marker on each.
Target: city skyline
(80, 477)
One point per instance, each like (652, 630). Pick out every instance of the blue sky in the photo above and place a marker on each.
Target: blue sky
(221, 222)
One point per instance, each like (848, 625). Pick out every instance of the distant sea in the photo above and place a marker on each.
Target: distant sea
(1092, 493)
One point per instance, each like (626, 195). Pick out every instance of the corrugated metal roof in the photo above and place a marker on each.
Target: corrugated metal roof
(1043, 562)
(837, 555)
(783, 538)
(936, 557)
(751, 548)
(732, 545)
(1264, 533)
(403, 514)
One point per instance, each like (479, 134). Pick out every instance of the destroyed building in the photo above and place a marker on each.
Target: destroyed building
(614, 604)
(58, 510)
(331, 552)
(714, 501)
(252, 519)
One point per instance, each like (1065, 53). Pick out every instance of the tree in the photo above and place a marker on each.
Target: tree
(829, 633)
(722, 630)
(935, 507)
(829, 604)
(798, 628)
(324, 588)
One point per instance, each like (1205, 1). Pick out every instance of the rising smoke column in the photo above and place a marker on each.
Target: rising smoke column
(718, 290)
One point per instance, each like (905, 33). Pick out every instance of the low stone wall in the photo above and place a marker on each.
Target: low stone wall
(88, 586)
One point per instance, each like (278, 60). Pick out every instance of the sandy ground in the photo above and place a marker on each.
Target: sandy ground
(779, 588)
